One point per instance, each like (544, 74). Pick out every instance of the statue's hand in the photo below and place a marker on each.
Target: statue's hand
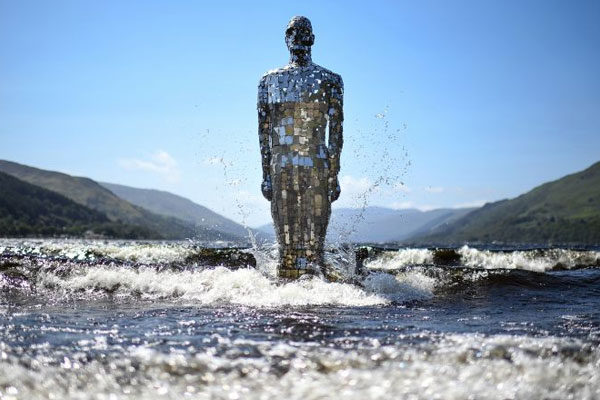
(334, 188)
(267, 188)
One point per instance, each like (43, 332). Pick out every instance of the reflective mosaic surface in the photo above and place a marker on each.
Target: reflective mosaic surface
(300, 129)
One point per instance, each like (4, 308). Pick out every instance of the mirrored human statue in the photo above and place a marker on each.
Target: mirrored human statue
(300, 132)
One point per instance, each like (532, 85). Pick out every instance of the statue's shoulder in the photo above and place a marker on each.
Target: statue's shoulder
(311, 71)
(274, 72)
(328, 75)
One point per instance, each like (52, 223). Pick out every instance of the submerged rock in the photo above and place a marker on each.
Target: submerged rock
(446, 257)
(232, 258)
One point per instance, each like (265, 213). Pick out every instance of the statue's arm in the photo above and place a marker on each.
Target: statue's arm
(263, 137)
(336, 137)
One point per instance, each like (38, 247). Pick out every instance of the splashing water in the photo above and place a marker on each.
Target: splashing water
(149, 271)
(128, 320)
(383, 166)
(171, 270)
(383, 174)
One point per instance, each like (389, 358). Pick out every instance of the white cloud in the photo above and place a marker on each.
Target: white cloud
(251, 208)
(470, 204)
(401, 187)
(403, 205)
(221, 161)
(160, 163)
(254, 200)
(434, 189)
(355, 191)
(352, 186)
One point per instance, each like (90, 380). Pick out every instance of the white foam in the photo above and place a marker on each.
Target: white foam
(401, 258)
(529, 260)
(81, 250)
(244, 286)
(259, 287)
(526, 260)
(459, 366)
(402, 287)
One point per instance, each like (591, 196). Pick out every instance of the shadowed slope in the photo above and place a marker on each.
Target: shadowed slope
(563, 211)
(90, 194)
(382, 225)
(29, 210)
(169, 204)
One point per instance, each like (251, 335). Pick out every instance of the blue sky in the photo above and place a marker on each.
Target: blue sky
(447, 103)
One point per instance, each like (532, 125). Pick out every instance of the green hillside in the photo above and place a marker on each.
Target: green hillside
(169, 204)
(87, 192)
(382, 225)
(563, 211)
(29, 210)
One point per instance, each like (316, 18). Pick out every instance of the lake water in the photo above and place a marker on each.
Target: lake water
(123, 320)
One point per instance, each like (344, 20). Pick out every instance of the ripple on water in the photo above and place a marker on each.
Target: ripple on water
(454, 367)
(80, 320)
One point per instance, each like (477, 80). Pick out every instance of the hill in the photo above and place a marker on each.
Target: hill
(563, 211)
(381, 225)
(89, 193)
(169, 204)
(29, 210)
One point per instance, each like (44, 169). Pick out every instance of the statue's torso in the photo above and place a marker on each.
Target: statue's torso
(298, 102)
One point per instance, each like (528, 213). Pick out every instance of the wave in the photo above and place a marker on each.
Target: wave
(169, 270)
(256, 288)
(205, 286)
(93, 250)
(499, 366)
(216, 286)
(538, 260)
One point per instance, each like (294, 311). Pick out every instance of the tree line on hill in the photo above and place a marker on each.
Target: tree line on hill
(36, 202)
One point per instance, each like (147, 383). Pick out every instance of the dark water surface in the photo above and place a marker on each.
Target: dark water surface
(110, 320)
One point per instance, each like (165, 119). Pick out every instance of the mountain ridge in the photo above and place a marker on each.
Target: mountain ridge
(381, 224)
(562, 211)
(169, 204)
(89, 193)
(30, 210)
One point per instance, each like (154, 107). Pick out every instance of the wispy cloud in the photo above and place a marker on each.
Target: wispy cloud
(251, 207)
(403, 205)
(470, 204)
(433, 189)
(160, 163)
(352, 186)
(355, 191)
(401, 187)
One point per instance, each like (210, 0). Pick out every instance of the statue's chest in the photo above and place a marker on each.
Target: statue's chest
(296, 87)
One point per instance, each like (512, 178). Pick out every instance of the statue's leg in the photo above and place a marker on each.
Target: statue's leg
(294, 263)
(300, 209)
(288, 213)
(283, 210)
(321, 212)
(278, 209)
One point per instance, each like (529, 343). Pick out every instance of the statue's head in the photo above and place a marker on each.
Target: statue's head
(298, 34)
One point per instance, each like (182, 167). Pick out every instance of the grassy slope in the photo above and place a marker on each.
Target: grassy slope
(90, 194)
(169, 204)
(563, 211)
(29, 210)
(383, 225)
(380, 225)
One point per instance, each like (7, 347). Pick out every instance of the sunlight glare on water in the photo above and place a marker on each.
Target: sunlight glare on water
(128, 320)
